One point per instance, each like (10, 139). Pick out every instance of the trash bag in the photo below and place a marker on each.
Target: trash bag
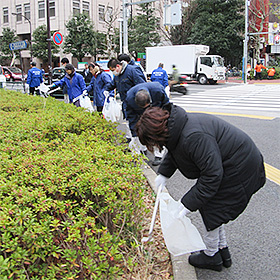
(180, 235)
(111, 109)
(86, 103)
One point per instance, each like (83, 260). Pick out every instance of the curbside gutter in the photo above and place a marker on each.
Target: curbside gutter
(182, 270)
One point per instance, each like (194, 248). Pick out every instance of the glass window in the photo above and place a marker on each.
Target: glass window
(86, 8)
(109, 14)
(41, 9)
(18, 12)
(52, 8)
(101, 12)
(5, 15)
(76, 7)
(27, 10)
(206, 61)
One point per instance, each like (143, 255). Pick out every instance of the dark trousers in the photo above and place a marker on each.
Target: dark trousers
(258, 75)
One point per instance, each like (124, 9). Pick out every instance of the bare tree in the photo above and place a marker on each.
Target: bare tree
(258, 22)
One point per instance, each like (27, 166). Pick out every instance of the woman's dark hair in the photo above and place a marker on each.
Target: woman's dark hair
(93, 64)
(69, 67)
(152, 128)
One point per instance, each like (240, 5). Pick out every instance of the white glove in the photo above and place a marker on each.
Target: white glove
(182, 211)
(85, 92)
(160, 180)
(106, 93)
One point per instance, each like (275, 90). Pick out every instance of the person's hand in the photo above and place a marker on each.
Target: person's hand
(85, 92)
(160, 180)
(182, 211)
(106, 93)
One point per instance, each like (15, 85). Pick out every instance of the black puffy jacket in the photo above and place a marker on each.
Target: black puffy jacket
(226, 162)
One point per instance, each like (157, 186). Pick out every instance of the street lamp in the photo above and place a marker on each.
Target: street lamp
(16, 14)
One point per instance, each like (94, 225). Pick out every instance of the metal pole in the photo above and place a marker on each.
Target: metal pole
(30, 30)
(246, 42)
(49, 41)
(125, 31)
(121, 34)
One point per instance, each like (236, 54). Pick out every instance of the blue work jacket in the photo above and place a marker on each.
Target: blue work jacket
(75, 85)
(133, 111)
(97, 84)
(160, 75)
(34, 77)
(129, 77)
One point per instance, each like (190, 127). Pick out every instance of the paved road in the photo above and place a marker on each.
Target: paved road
(254, 237)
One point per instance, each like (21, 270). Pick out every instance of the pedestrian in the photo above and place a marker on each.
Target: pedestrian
(130, 61)
(87, 74)
(97, 85)
(258, 69)
(137, 100)
(271, 73)
(225, 161)
(125, 77)
(34, 77)
(74, 83)
(160, 75)
(175, 76)
(64, 61)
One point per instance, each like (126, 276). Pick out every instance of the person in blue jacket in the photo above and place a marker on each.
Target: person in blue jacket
(74, 82)
(139, 98)
(34, 77)
(160, 75)
(125, 77)
(97, 84)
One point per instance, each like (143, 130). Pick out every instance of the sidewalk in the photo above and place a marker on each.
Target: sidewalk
(240, 81)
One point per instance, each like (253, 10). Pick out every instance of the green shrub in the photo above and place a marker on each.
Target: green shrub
(71, 195)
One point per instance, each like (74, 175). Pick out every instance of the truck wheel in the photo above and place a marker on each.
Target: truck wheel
(202, 79)
(212, 82)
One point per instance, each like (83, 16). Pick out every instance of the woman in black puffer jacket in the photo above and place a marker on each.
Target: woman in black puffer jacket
(225, 161)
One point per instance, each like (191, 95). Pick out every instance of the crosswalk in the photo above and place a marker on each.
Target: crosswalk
(246, 99)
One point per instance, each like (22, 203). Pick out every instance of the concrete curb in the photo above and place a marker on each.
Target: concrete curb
(182, 270)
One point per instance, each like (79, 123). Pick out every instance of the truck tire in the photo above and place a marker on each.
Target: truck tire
(212, 82)
(202, 79)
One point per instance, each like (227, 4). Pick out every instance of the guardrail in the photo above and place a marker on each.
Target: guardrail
(17, 86)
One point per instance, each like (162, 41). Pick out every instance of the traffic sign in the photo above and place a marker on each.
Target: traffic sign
(277, 37)
(57, 38)
(18, 45)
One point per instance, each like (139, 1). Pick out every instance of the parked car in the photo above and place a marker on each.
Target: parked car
(2, 78)
(13, 74)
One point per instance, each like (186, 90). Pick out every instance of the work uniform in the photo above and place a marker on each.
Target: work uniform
(34, 79)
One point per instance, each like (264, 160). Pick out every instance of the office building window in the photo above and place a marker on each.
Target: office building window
(101, 12)
(18, 12)
(5, 15)
(27, 10)
(109, 14)
(76, 7)
(86, 8)
(52, 8)
(41, 9)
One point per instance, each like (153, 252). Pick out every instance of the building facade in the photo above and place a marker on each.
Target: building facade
(24, 16)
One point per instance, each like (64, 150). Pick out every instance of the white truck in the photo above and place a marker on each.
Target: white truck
(190, 60)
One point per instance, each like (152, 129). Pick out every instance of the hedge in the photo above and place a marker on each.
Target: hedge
(71, 193)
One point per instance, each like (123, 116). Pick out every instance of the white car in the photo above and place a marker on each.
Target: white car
(2, 78)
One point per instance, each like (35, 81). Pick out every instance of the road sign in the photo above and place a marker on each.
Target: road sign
(57, 38)
(18, 45)
(277, 37)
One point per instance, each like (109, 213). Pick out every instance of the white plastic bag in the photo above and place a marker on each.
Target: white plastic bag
(111, 110)
(43, 88)
(180, 235)
(86, 103)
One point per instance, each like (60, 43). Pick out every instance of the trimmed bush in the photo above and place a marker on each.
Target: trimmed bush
(71, 194)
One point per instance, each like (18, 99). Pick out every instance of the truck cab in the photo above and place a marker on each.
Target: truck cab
(210, 68)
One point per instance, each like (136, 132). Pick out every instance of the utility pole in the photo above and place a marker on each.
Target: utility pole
(245, 51)
(49, 41)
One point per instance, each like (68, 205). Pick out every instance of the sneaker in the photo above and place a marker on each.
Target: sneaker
(225, 254)
(201, 260)
(157, 161)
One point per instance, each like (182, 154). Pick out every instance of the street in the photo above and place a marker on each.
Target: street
(253, 238)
